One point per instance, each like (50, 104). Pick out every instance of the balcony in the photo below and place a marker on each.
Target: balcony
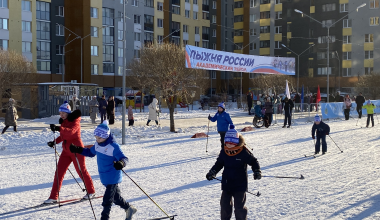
(205, 8)
(205, 36)
(176, 33)
(148, 27)
(176, 2)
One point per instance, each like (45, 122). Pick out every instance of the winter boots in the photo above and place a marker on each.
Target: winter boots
(91, 196)
(130, 211)
(50, 201)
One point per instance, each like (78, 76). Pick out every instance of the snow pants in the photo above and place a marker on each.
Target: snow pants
(6, 127)
(63, 164)
(288, 118)
(370, 116)
(222, 136)
(226, 204)
(359, 110)
(103, 116)
(112, 195)
(347, 114)
(318, 143)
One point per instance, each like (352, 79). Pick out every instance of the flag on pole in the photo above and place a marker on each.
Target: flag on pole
(287, 90)
(318, 95)
(302, 99)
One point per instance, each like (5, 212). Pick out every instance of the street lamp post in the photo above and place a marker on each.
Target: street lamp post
(339, 69)
(298, 61)
(328, 40)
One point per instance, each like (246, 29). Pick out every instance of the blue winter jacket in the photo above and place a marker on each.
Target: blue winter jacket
(258, 111)
(235, 177)
(223, 121)
(322, 129)
(107, 152)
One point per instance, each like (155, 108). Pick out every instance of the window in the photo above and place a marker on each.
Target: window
(185, 42)
(120, 70)
(184, 29)
(212, 74)
(148, 23)
(214, 33)
(214, 19)
(213, 4)
(373, 4)
(108, 68)
(43, 30)
(196, 30)
(188, 1)
(368, 70)
(205, 16)
(26, 26)
(264, 14)
(94, 31)
(119, 16)
(94, 12)
(238, 18)
(252, 46)
(374, 21)
(94, 69)
(159, 39)
(175, 40)
(323, 39)
(136, 19)
(323, 71)
(3, 3)
(252, 32)
(368, 38)
(43, 65)
(135, 3)
(160, 6)
(205, 2)
(187, 13)
(252, 3)
(265, 29)
(278, 1)
(195, 15)
(328, 23)
(58, 49)
(196, 43)
(59, 30)
(368, 54)
(108, 35)
(195, 2)
(347, 23)
(264, 43)
(136, 54)
(108, 16)
(239, 4)
(278, 29)
(278, 15)
(26, 47)
(119, 35)
(4, 44)
(347, 39)
(238, 32)
(108, 53)
(25, 5)
(346, 72)
(137, 36)
(346, 55)
(214, 46)
(59, 68)
(94, 50)
(344, 7)
(43, 50)
(120, 52)
(277, 45)
(149, 3)
(148, 37)
(42, 10)
(160, 23)
(252, 18)
(59, 11)
(176, 9)
(328, 7)
(264, 1)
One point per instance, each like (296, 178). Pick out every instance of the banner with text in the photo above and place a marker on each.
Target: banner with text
(336, 110)
(201, 58)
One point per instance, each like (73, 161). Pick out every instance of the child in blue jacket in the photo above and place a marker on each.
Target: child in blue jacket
(322, 130)
(223, 120)
(108, 151)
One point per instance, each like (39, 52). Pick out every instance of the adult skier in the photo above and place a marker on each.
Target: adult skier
(370, 110)
(234, 158)
(360, 100)
(223, 120)
(322, 130)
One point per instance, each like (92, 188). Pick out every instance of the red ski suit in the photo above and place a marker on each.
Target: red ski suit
(70, 133)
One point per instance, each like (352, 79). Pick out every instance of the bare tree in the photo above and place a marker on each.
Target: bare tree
(369, 85)
(275, 82)
(162, 68)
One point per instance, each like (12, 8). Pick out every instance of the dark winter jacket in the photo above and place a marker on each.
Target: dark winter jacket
(103, 106)
(268, 108)
(249, 99)
(288, 105)
(322, 129)
(223, 121)
(360, 100)
(235, 177)
(297, 98)
(111, 107)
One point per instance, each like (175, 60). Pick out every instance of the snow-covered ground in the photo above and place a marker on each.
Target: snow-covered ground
(169, 168)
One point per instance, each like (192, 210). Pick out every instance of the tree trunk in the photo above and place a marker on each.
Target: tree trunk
(171, 110)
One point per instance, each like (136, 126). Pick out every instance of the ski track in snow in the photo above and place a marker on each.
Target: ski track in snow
(169, 168)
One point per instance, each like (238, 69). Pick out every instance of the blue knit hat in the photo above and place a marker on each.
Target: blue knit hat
(232, 136)
(65, 107)
(317, 118)
(222, 105)
(369, 101)
(103, 130)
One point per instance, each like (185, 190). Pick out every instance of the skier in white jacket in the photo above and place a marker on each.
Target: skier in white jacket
(153, 111)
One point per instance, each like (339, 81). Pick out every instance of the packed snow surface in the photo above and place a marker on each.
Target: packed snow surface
(169, 167)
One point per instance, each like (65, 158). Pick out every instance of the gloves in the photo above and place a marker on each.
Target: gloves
(51, 144)
(313, 137)
(54, 128)
(209, 117)
(76, 149)
(257, 174)
(211, 175)
(327, 133)
(119, 165)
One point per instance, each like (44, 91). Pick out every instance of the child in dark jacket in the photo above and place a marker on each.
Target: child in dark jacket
(111, 160)
(322, 130)
(234, 158)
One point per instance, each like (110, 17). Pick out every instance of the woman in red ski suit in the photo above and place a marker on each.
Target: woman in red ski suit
(69, 134)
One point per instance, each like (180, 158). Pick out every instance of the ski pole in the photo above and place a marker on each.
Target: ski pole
(288, 177)
(56, 170)
(257, 194)
(336, 144)
(72, 175)
(88, 196)
(147, 194)
(208, 129)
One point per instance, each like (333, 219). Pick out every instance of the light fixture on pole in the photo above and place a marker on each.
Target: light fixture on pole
(328, 41)
(298, 61)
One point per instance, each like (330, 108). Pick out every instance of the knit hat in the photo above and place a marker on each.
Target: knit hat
(235, 139)
(258, 102)
(222, 105)
(103, 130)
(65, 107)
(232, 136)
(317, 118)
(369, 101)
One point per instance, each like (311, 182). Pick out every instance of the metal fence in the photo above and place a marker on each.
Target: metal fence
(300, 112)
(50, 107)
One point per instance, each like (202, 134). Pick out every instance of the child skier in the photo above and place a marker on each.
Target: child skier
(110, 172)
(234, 158)
(322, 130)
(223, 120)
(370, 109)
